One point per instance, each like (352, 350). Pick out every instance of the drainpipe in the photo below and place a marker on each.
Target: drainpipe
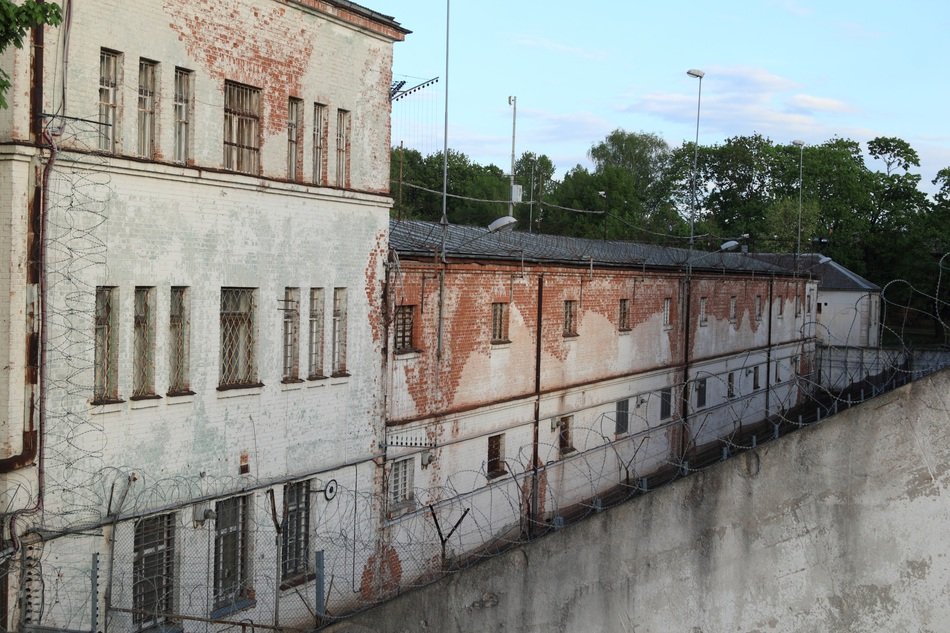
(535, 511)
(768, 353)
(684, 395)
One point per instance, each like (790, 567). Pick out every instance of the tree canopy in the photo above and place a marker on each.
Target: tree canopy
(15, 21)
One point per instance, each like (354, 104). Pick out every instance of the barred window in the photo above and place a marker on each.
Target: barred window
(781, 306)
(291, 334)
(231, 577)
(622, 416)
(106, 363)
(495, 465)
(700, 393)
(342, 148)
(242, 134)
(667, 311)
(237, 337)
(319, 143)
(755, 377)
(499, 322)
(731, 385)
(758, 307)
(402, 329)
(666, 403)
(703, 315)
(339, 332)
(565, 440)
(153, 570)
(183, 114)
(570, 318)
(295, 537)
(733, 309)
(148, 93)
(315, 350)
(108, 98)
(623, 319)
(179, 327)
(401, 489)
(294, 138)
(143, 343)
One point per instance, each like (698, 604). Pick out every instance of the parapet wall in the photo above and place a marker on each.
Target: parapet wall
(839, 527)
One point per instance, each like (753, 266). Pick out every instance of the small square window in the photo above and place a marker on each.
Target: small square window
(666, 403)
(499, 322)
(622, 416)
(570, 318)
(401, 490)
(623, 320)
(496, 456)
(403, 340)
(565, 441)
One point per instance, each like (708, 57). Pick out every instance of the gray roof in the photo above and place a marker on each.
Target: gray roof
(830, 274)
(419, 238)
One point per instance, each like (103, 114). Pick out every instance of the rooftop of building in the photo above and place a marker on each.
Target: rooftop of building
(830, 274)
(420, 238)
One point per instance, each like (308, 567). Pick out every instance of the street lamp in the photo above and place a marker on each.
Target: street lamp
(513, 102)
(698, 74)
(801, 163)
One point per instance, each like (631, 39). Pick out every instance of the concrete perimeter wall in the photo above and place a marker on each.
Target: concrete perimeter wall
(840, 527)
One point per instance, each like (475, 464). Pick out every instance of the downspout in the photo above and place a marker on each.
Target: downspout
(535, 511)
(768, 354)
(684, 394)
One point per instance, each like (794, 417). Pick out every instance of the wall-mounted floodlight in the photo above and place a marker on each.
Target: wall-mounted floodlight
(728, 246)
(504, 223)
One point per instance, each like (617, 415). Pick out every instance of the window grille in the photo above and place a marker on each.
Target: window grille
(342, 148)
(242, 136)
(295, 537)
(319, 143)
(108, 99)
(496, 455)
(565, 441)
(731, 385)
(147, 96)
(183, 110)
(733, 309)
(237, 337)
(624, 317)
(667, 311)
(339, 331)
(703, 316)
(402, 329)
(316, 333)
(178, 341)
(570, 318)
(622, 417)
(106, 345)
(291, 334)
(143, 352)
(499, 322)
(153, 570)
(400, 481)
(758, 307)
(666, 403)
(231, 575)
(700, 393)
(294, 137)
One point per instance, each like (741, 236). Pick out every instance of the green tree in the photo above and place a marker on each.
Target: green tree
(15, 21)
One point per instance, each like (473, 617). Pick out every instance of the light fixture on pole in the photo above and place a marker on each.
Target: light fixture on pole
(445, 138)
(801, 163)
(698, 74)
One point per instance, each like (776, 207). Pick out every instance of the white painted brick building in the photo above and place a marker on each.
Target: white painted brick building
(193, 219)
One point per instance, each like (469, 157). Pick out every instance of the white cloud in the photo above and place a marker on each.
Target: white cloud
(809, 103)
(554, 46)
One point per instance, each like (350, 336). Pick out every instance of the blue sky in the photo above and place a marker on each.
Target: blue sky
(788, 69)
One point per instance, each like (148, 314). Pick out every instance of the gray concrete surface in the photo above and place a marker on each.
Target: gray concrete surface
(844, 526)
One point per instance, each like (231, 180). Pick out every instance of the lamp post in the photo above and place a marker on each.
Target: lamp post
(445, 135)
(698, 74)
(801, 163)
